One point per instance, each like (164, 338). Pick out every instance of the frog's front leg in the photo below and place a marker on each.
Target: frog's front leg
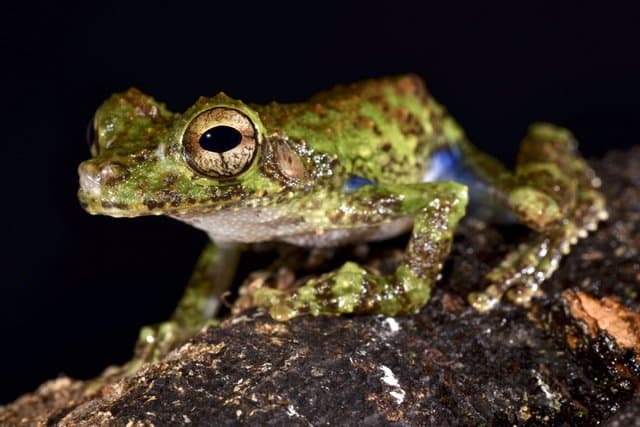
(198, 306)
(436, 209)
(554, 192)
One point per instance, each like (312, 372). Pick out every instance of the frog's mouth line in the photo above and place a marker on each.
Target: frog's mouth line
(96, 205)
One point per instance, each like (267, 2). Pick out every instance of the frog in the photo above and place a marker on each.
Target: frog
(359, 162)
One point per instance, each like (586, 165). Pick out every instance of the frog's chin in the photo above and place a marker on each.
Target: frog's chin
(96, 205)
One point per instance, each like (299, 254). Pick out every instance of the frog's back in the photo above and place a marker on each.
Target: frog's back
(382, 129)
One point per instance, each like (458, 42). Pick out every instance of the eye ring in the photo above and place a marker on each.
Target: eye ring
(220, 142)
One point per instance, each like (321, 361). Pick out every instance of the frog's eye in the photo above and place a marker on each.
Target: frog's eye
(220, 142)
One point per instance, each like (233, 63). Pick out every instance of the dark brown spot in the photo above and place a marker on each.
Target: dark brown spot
(172, 197)
(386, 147)
(110, 205)
(437, 123)
(170, 178)
(320, 110)
(229, 193)
(153, 204)
(402, 114)
(337, 217)
(412, 85)
(364, 122)
(411, 125)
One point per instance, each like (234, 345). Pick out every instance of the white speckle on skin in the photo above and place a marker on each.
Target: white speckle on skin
(161, 152)
(390, 379)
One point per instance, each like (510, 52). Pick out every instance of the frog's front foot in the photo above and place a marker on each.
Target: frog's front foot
(353, 289)
(155, 341)
(349, 289)
(279, 303)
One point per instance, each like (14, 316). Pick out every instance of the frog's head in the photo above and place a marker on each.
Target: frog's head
(150, 161)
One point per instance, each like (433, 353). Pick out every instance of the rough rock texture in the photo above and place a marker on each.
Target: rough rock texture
(573, 357)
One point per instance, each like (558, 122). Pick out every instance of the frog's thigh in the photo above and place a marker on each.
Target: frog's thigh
(555, 195)
(436, 208)
(548, 173)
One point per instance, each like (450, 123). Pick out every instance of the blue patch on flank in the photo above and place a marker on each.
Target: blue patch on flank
(355, 182)
(448, 164)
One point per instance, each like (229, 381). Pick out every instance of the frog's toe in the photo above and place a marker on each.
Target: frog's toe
(486, 300)
(155, 341)
(523, 270)
(281, 305)
(284, 311)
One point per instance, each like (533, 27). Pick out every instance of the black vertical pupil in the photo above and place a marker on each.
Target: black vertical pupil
(220, 139)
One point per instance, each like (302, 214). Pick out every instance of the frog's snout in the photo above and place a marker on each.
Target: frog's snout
(96, 175)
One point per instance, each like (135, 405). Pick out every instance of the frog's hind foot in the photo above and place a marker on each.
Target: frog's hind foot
(557, 197)
(524, 269)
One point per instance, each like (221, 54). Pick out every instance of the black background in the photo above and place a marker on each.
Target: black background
(76, 288)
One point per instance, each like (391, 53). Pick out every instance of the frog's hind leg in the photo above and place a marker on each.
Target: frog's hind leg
(436, 208)
(198, 306)
(554, 192)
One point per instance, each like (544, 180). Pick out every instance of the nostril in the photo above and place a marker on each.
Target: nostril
(93, 177)
(110, 173)
(89, 178)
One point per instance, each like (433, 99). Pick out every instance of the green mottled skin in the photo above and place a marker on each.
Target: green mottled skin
(384, 130)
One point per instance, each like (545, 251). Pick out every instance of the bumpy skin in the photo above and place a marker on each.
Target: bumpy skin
(348, 165)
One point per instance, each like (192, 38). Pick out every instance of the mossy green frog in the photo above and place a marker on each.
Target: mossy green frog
(356, 163)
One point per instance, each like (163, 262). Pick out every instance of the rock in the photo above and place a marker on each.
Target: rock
(628, 416)
(571, 358)
(605, 316)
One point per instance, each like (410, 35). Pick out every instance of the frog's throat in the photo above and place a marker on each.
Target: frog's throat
(271, 223)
